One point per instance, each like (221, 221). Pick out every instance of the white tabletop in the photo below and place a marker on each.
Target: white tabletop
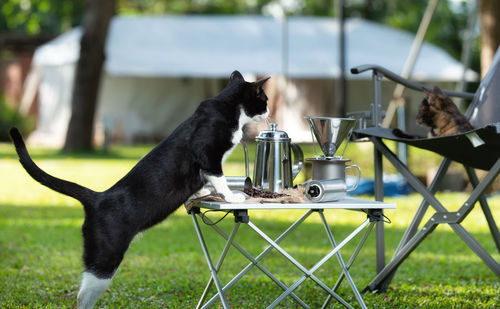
(345, 203)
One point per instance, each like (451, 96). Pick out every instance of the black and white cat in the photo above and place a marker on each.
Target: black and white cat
(163, 180)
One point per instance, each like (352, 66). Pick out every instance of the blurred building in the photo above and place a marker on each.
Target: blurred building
(16, 52)
(158, 68)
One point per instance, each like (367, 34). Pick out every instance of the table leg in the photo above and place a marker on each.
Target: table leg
(255, 262)
(345, 270)
(219, 263)
(213, 272)
(349, 263)
(309, 273)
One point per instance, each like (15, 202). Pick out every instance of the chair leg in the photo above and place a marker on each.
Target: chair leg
(382, 280)
(486, 209)
(417, 219)
(424, 205)
(414, 182)
(379, 196)
(477, 248)
(384, 277)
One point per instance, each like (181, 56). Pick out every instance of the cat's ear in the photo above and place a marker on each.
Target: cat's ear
(259, 91)
(431, 94)
(236, 76)
(261, 82)
(438, 90)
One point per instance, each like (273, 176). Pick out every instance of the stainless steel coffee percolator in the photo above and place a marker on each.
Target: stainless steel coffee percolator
(273, 168)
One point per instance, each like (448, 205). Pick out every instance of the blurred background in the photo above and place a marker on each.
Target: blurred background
(94, 84)
(78, 75)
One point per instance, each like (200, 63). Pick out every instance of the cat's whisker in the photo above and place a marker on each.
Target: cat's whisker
(268, 121)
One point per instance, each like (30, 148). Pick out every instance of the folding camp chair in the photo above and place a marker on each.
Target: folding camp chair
(477, 149)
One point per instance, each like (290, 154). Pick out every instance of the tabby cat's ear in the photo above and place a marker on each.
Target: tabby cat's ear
(431, 94)
(261, 82)
(438, 90)
(427, 91)
(236, 76)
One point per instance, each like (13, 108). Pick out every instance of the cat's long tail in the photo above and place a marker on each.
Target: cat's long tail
(84, 195)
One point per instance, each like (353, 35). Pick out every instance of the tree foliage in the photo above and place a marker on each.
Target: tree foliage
(9, 117)
(446, 29)
(39, 16)
(56, 16)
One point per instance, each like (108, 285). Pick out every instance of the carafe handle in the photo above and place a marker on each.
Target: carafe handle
(298, 159)
(357, 179)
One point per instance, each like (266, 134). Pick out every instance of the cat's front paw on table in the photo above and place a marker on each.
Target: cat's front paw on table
(235, 198)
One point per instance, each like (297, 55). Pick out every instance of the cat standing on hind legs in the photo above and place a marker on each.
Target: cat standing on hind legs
(161, 181)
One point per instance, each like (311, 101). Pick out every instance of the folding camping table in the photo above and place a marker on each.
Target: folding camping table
(240, 211)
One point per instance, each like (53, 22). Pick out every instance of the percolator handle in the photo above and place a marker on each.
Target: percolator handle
(245, 150)
(298, 159)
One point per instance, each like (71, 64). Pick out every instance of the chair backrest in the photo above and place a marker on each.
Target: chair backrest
(485, 107)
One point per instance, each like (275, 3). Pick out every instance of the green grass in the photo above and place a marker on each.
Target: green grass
(41, 246)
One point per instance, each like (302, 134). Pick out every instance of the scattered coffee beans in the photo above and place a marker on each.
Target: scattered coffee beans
(254, 192)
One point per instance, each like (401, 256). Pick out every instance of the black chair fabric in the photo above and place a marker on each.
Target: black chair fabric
(459, 148)
(483, 113)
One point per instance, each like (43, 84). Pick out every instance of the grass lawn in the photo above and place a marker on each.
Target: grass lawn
(41, 246)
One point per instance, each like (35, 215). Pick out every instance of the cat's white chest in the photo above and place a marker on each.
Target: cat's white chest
(237, 134)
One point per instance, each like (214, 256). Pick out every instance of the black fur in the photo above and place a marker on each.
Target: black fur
(161, 181)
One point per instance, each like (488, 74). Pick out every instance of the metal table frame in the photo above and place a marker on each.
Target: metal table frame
(240, 212)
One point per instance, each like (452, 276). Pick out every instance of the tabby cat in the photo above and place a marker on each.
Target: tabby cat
(438, 112)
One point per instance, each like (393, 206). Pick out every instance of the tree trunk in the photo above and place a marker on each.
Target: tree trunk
(96, 19)
(490, 32)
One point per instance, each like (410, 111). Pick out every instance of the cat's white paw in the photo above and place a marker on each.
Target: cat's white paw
(235, 198)
(202, 192)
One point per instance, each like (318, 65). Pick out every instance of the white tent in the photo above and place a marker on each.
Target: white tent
(158, 68)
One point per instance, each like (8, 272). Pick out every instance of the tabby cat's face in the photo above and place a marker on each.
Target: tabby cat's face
(436, 106)
(425, 115)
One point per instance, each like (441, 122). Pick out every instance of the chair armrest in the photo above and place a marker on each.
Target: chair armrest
(408, 83)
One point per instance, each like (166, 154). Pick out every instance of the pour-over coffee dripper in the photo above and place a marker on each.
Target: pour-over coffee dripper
(328, 181)
(330, 133)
